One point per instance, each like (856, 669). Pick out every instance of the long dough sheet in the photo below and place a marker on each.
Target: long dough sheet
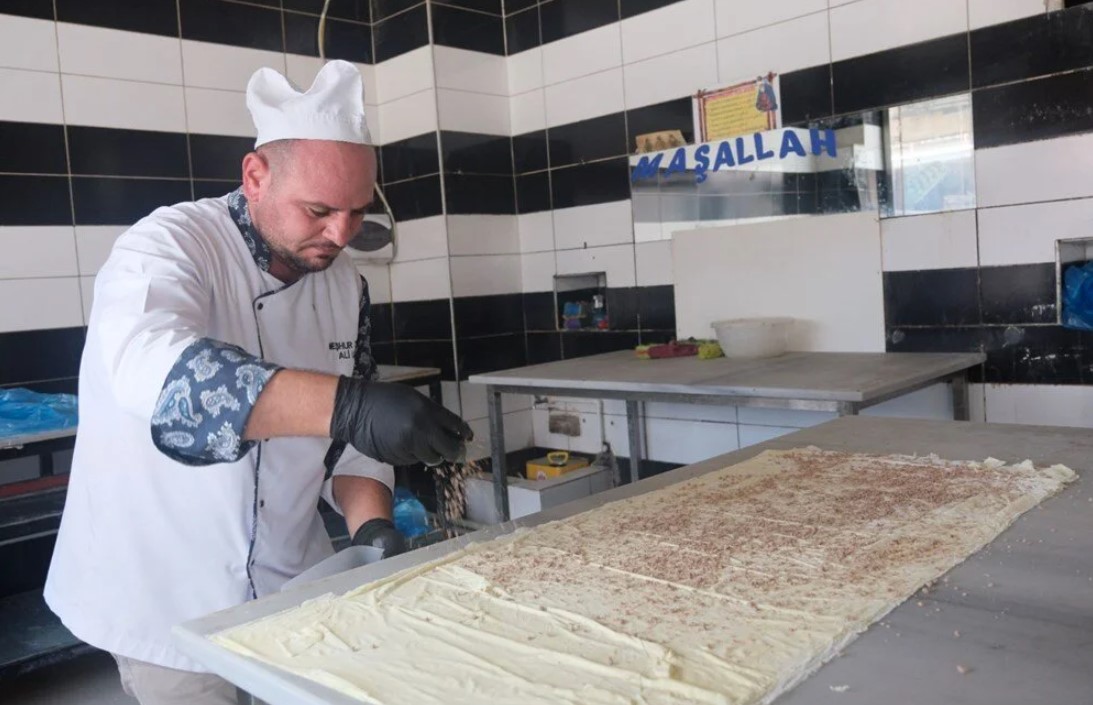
(725, 589)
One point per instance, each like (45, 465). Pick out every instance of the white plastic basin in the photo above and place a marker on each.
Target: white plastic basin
(753, 337)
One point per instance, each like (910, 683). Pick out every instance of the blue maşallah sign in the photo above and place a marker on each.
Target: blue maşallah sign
(734, 152)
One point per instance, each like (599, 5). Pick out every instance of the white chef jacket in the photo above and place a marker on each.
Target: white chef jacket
(147, 542)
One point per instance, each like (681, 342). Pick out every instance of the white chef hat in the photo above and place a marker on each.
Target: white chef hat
(332, 109)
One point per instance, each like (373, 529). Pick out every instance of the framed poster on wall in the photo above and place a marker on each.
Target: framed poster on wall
(743, 108)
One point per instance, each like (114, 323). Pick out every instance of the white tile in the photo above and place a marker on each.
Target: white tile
(42, 303)
(408, 117)
(113, 53)
(27, 43)
(44, 251)
(108, 102)
(644, 35)
(801, 43)
(30, 96)
(987, 12)
(934, 402)
(404, 75)
(540, 419)
(301, 70)
(93, 245)
(754, 435)
(654, 267)
(875, 25)
(788, 418)
(581, 54)
(1047, 170)
(593, 226)
(672, 441)
(617, 261)
(87, 296)
(935, 241)
(525, 71)
(450, 393)
(1044, 405)
(215, 112)
(527, 112)
(537, 271)
(519, 433)
(1027, 234)
(678, 412)
(674, 75)
(483, 235)
(463, 111)
(422, 280)
(378, 277)
(473, 399)
(734, 17)
(209, 65)
(421, 238)
(470, 70)
(485, 275)
(536, 231)
(583, 98)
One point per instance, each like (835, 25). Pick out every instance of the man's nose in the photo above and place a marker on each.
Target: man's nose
(340, 229)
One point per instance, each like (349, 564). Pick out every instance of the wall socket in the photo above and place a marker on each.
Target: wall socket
(565, 424)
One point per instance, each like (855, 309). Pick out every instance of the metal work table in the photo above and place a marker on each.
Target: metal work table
(1024, 630)
(844, 383)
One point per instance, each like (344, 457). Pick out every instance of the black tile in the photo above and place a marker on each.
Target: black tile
(410, 158)
(529, 152)
(656, 337)
(1033, 110)
(631, 8)
(356, 10)
(490, 354)
(351, 41)
(564, 18)
(32, 148)
(928, 69)
(40, 354)
(467, 194)
(622, 308)
(470, 153)
(41, 9)
(533, 193)
(1019, 294)
(111, 152)
(522, 31)
(464, 29)
(205, 188)
(232, 23)
(543, 347)
(676, 114)
(589, 184)
(384, 353)
(1034, 46)
(488, 315)
(400, 33)
(427, 353)
(422, 320)
(539, 311)
(931, 297)
(219, 156)
(491, 6)
(582, 344)
(587, 140)
(954, 339)
(657, 307)
(381, 318)
(151, 17)
(35, 200)
(1048, 355)
(514, 6)
(416, 198)
(114, 201)
(806, 95)
(382, 9)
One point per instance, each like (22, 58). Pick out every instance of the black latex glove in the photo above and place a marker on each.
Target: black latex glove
(395, 424)
(382, 534)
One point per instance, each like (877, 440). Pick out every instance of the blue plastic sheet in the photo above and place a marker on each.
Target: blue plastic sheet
(1078, 297)
(24, 412)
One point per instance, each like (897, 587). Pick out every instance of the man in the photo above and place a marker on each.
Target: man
(213, 380)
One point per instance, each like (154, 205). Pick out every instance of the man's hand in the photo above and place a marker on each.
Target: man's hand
(395, 424)
(382, 534)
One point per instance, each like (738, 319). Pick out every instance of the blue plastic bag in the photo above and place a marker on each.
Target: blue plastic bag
(1078, 297)
(23, 412)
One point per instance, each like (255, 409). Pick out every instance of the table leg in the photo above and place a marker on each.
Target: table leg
(961, 398)
(636, 426)
(497, 453)
(847, 408)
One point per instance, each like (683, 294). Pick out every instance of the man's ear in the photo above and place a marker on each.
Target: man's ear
(256, 176)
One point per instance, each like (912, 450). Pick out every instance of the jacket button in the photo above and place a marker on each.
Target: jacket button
(260, 306)
(261, 503)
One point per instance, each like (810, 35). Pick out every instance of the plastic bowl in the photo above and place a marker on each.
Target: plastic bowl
(753, 337)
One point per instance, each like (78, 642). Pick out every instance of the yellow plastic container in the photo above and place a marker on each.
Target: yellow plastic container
(554, 465)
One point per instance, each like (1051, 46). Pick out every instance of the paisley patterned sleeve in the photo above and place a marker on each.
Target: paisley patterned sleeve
(206, 401)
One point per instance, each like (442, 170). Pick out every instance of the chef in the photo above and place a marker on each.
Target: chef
(218, 401)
